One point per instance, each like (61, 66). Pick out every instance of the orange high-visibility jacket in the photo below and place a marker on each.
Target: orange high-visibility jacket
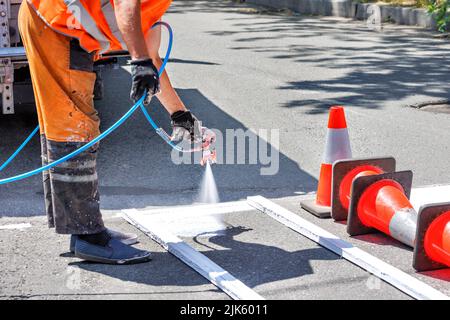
(93, 22)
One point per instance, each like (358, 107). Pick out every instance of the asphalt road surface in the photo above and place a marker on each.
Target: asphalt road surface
(237, 69)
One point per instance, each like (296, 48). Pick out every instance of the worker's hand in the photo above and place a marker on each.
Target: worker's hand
(186, 127)
(144, 78)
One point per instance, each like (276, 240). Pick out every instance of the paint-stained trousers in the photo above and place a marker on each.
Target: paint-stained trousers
(63, 83)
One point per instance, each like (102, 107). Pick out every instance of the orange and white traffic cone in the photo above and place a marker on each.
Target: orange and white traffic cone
(385, 207)
(432, 249)
(381, 202)
(345, 172)
(337, 147)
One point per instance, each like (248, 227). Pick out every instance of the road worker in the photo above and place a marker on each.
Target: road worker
(62, 40)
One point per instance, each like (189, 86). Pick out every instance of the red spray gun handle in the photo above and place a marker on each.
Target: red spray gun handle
(207, 147)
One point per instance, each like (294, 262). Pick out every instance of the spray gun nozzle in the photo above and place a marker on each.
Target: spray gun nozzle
(208, 147)
(209, 157)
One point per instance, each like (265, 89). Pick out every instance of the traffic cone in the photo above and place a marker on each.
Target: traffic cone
(432, 249)
(337, 147)
(345, 172)
(381, 202)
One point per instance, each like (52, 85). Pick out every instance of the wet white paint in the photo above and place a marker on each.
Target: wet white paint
(429, 195)
(194, 259)
(199, 220)
(19, 226)
(183, 226)
(204, 224)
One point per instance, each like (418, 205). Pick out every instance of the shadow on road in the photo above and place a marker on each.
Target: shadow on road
(150, 171)
(371, 67)
(196, 62)
(262, 263)
(135, 166)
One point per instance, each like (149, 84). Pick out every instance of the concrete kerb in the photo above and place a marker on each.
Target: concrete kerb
(338, 8)
(409, 16)
(349, 9)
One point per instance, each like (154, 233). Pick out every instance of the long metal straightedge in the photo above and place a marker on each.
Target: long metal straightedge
(397, 278)
(194, 259)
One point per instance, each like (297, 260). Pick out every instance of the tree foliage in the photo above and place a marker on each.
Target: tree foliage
(440, 10)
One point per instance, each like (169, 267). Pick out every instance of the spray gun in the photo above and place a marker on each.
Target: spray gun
(207, 146)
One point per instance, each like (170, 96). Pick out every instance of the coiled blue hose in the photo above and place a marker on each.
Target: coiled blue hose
(106, 133)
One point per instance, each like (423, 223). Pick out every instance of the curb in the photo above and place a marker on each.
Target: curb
(398, 15)
(337, 8)
(348, 9)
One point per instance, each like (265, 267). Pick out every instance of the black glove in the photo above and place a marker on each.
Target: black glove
(185, 127)
(144, 77)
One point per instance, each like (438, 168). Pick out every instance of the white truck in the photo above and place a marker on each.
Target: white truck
(15, 81)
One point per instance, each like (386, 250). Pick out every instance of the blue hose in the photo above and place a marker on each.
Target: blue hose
(11, 158)
(119, 122)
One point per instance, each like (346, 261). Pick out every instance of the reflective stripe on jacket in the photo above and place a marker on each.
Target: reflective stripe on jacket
(93, 22)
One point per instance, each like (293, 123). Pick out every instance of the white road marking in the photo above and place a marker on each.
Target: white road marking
(201, 209)
(399, 279)
(194, 259)
(19, 226)
(194, 220)
(429, 194)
